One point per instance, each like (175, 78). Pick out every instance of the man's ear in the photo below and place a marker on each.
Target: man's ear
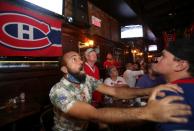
(64, 69)
(182, 65)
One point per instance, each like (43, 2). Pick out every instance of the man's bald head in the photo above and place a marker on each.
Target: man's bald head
(67, 56)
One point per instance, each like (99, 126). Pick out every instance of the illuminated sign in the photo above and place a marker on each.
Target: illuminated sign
(96, 21)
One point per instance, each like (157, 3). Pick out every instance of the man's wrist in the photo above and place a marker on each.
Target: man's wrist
(146, 114)
(148, 91)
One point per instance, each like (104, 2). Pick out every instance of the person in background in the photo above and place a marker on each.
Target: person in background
(92, 70)
(112, 81)
(136, 66)
(110, 61)
(150, 79)
(72, 95)
(130, 75)
(115, 80)
(177, 65)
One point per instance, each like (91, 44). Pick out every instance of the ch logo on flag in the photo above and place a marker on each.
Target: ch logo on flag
(23, 32)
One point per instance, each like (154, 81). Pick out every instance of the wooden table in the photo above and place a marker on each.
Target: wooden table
(23, 110)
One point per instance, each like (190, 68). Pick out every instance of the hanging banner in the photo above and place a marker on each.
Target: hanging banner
(24, 32)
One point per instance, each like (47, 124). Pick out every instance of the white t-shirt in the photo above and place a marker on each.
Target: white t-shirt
(120, 80)
(130, 76)
(108, 81)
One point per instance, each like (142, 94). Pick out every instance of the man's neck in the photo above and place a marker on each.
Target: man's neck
(110, 60)
(177, 76)
(90, 63)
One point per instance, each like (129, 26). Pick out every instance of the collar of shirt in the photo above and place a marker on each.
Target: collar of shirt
(91, 68)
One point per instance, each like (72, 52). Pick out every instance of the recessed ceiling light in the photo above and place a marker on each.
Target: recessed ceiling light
(170, 14)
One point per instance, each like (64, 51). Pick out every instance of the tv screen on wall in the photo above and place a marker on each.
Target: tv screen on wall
(48, 6)
(131, 31)
(152, 48)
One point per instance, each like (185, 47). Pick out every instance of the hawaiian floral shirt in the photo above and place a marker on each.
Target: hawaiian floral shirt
(63, 95)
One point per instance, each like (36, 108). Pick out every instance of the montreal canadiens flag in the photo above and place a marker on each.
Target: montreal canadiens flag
(24, 32)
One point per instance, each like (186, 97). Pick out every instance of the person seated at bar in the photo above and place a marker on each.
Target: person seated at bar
(177, 65)
(112, 81)
(71, 98)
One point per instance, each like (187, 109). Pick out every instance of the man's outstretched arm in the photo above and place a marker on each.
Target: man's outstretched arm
(157, 110)
(127, 93)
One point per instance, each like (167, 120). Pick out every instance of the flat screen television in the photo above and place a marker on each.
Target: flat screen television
(51, 7)
(152, 48)
(131, 31)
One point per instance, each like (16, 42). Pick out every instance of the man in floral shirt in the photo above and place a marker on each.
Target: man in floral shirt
(71, 98)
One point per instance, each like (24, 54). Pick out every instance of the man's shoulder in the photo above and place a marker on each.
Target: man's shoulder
(184, 81)
(187, 86)
(90, 79)
(63, 84)
(96, 66)
(85, 65)
(187, 83)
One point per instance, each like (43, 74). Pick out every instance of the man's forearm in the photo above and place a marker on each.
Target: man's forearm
(119, 115)
(124, 92)
(127, 93)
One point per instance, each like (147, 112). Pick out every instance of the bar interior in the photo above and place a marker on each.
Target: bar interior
(35, 34)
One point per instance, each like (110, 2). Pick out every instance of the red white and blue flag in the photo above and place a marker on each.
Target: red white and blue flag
(24, 32)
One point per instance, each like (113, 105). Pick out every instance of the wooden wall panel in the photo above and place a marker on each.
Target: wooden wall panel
(35, 83)
(70, 43)
(68, 8)
(115, 31)
(109, 28)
